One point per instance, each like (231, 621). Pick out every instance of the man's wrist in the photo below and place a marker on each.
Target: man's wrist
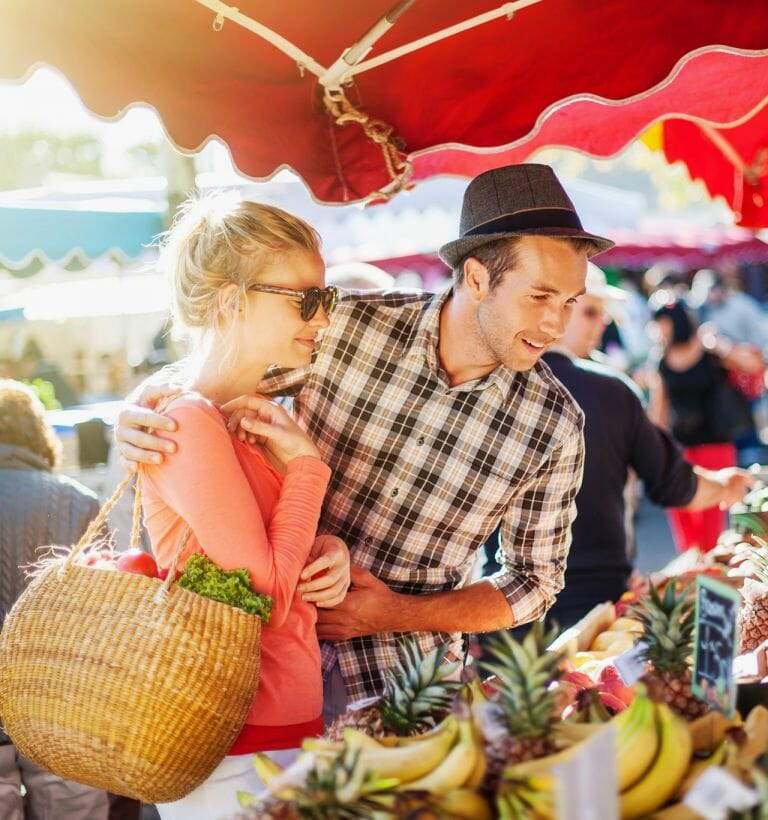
(478, 607)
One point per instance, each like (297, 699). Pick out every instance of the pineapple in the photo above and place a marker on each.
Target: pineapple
(339, 789)
(527, 704)
(416, 696)
(668, 623)
(753, 615)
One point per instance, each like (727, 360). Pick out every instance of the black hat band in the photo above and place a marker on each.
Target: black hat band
(526, 220)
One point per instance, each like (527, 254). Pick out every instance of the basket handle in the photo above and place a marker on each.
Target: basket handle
(101, 518)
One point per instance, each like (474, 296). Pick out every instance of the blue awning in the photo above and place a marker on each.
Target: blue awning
(57, 233)
(75, 225)
(14, 314)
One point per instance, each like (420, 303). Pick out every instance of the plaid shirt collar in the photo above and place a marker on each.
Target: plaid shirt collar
(425, 341)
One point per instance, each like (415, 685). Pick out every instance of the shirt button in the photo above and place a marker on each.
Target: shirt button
(369, 540)
(420, 440)
(395, 492)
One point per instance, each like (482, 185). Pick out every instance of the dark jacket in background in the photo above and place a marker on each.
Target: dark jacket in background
(617, 435)
(37, 508)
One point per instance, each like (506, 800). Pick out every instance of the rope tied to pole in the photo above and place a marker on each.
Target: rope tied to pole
(398, 166)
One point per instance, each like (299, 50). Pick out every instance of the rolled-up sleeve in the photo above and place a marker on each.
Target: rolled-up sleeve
(536, 532)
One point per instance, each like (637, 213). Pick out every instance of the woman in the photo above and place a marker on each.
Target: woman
(38, 507)
(248, 283)
(691, 397)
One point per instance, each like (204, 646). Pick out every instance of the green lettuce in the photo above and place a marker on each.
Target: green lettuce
(231, 587)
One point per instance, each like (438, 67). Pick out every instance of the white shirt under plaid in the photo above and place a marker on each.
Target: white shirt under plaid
(424, 472)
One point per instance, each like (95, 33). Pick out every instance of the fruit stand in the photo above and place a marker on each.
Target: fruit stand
(610, 705)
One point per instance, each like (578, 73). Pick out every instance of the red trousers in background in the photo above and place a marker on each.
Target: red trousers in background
(701, 528)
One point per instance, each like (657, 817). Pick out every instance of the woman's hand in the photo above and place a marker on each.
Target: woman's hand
(137, 446)
(329, 561)
(265, 422)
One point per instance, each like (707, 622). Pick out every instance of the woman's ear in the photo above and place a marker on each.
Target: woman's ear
(229, 302)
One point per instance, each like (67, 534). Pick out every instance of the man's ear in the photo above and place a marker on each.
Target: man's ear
(476, 278)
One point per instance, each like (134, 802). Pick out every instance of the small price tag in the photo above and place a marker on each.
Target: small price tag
(587, 785)
(716, 793)
(630, 664)
(714, 646)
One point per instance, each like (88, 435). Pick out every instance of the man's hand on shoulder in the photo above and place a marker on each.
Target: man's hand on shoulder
(137, 444)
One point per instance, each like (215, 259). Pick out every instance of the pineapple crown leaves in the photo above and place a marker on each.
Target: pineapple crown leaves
(342, 789)
(524, 672)
(668, 622)
(758, 556)
(416, 693)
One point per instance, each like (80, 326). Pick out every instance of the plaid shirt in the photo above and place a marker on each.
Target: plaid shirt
(424, 472)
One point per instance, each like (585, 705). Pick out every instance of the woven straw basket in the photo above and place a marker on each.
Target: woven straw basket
(125, 682)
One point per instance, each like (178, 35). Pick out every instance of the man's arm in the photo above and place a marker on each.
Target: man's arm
(537, 529)
(371, 607)
(136, 423)
(535, 534)
(670, 481)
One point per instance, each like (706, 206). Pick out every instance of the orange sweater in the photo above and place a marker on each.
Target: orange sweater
(244, 514)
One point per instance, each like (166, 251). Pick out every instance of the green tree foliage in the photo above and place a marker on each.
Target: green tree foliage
(28, 157)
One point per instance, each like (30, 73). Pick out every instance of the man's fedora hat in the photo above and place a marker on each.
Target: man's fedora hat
(517, 200)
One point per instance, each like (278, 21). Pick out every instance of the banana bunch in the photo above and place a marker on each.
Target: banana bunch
(447, 763)
(653, 754)
(667, 767)
(729, 743)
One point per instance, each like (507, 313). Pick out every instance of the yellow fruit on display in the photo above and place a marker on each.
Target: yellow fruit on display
(623, 642)
(627, 625)
(666, 772)
(455, 768)
(603, 641)
(581, 658)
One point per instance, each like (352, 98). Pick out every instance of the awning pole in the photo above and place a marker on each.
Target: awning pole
(335, 75)
(507, 10)
(304, 61)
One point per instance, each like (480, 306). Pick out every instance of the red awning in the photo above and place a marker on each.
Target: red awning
(487, 86)
(711, 114)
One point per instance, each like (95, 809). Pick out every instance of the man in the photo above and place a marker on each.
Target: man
(439, 423)
(617, 435)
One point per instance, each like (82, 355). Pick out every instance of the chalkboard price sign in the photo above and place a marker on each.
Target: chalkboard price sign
(715, 644)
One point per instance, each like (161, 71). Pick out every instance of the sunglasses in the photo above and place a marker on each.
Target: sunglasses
(309, 299)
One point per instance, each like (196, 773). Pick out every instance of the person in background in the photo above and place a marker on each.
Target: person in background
(248, 286)
(38, 507)
(359, 276)
(690, 397)
(33, 365)
(734, 315)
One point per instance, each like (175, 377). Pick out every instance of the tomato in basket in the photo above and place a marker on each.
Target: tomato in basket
(137, 561)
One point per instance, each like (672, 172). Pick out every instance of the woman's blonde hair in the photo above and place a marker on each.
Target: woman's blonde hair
(23, 422)
(222, 240)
